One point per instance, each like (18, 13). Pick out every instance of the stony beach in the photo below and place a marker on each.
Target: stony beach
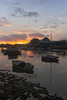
(13, 87)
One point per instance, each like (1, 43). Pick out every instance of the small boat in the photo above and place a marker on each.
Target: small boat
(50, 58)
(11, 51)
(18, 63)
(4, 51)
(21, 65)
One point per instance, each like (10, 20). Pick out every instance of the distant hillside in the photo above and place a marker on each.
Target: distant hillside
(34, 41)
(45, 39)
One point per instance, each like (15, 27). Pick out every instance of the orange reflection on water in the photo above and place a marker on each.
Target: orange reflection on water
(27, 53)
(30, 53)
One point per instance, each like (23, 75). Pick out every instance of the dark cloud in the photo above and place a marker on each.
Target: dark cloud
(13, 37)
(19, 12)
(17, 37)
(50, 24)
(4, 18)
(13, 15)
(4, 22)
(34, 35)
(30, 14)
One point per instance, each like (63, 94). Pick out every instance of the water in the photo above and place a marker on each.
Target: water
(50, 75)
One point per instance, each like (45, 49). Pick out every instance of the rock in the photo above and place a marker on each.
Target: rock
(16, 88)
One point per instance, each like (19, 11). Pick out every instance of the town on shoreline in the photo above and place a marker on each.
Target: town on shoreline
(36, 44)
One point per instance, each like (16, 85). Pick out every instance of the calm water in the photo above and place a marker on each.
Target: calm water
(50, 75)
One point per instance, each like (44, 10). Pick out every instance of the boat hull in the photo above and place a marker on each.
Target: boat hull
(11, 51)
(50, 59)
(22, 66)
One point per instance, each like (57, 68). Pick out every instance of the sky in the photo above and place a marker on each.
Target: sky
(23, 20)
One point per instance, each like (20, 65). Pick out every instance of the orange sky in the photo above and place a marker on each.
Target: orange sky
(20, 41)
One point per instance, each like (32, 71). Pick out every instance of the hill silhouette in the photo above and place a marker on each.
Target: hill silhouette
(34, 41)
(45, 39)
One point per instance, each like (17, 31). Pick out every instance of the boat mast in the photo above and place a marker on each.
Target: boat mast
(51, 40)
(51, 37)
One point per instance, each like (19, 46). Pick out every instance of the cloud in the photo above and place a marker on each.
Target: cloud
(21, 37)
(4, 22)
(63, 38)
(35, 20)
(13, 37)
(28, 31)
(63, 18)
(19, 12)
(36, 35)
(44, 27)
(30, 14)
(13, 15)
(54, 26)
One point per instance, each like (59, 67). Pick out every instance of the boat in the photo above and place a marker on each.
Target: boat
(21, 65)
(11, 51)
(4, 51)
(50, 58)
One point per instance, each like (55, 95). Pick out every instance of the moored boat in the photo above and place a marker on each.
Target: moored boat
(21, 65)
(11, 51)
(50, 58)
(4, 51)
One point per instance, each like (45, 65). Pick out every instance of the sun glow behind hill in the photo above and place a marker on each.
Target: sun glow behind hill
(18, 41)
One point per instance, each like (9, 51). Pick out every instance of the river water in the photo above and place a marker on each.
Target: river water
(50, 75)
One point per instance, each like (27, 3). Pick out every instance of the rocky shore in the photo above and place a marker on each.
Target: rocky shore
(13, 87)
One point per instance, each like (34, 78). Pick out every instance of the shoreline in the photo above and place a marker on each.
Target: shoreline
(13, 87)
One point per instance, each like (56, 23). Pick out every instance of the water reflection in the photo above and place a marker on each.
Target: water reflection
(50, 65)
(13, 57)
(30, 53)
(49, 74)
(10, 57)
(62, 53)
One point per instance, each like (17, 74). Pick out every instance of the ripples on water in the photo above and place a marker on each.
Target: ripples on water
(51, 75)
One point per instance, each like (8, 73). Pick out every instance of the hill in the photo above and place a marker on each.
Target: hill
(45, 39)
